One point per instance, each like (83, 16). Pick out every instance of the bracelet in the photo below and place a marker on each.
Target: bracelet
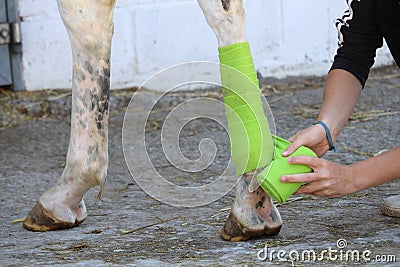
(328, 135)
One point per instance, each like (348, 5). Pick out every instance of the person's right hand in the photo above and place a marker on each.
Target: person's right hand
(313, 137)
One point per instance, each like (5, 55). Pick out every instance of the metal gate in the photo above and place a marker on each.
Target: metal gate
(10, 46)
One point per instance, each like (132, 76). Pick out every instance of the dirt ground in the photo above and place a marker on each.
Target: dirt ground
(129, 228)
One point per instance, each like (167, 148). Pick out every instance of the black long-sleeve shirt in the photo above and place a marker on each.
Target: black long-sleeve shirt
(361, 31)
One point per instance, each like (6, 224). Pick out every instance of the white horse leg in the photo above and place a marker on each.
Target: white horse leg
(90, 28)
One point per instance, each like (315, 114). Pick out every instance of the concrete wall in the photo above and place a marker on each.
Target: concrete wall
(287, 37)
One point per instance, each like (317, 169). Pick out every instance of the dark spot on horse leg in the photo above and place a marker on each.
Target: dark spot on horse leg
(260, 203)
(103, 82)
(256, 219)
(226, 4)
(106, 72)
(99, 125)
(103, 98)
(273, 216)
(79, 75)
(94, 103)
(83, 124)
(93, 153)
(89, 67)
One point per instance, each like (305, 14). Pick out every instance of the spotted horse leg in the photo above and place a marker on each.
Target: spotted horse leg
(252, 214)
(89, 24)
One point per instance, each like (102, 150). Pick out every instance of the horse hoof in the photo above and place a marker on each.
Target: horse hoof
(235, 231)
(40, 219)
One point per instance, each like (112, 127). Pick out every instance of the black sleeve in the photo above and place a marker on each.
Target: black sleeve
(359, 37)
(389, 21)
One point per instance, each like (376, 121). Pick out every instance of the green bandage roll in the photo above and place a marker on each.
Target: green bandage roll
(251, 141)
(269, 178)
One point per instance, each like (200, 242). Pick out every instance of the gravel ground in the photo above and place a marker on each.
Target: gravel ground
(128, 227)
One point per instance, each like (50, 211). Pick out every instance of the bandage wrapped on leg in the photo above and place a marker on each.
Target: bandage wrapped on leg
(251, 140)
(252, 144)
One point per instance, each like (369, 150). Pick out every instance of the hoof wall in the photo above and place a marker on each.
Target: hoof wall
(41, 220)
(234, 231)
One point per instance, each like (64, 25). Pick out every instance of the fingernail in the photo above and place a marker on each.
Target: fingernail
(283, 179)
(285, 153)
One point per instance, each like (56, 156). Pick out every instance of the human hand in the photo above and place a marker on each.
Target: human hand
(313, 137)
(328, 179)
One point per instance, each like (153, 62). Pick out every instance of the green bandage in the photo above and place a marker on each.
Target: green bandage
(251, 141)
(252, 145)
(269, 178)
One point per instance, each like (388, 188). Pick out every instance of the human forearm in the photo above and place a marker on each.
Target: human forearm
(341, 93)
(377, 170)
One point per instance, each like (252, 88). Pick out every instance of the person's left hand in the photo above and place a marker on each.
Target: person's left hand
(328, 179)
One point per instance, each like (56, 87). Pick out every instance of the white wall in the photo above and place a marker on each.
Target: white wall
(287, 37)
